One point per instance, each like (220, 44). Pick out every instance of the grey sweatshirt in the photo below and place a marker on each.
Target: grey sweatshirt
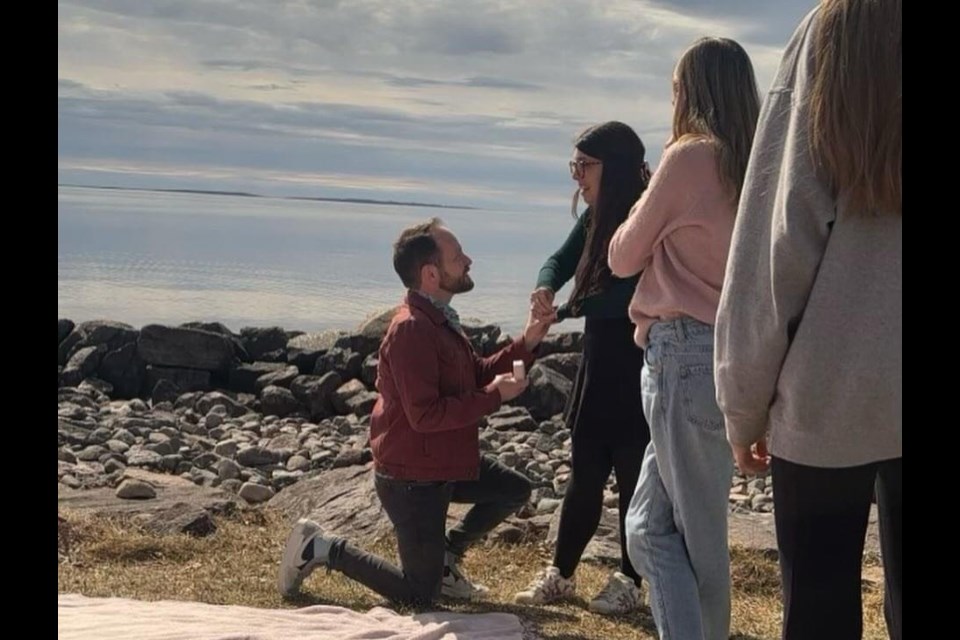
(810, 325)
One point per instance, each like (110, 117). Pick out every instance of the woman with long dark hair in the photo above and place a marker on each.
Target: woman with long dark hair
(604, 415)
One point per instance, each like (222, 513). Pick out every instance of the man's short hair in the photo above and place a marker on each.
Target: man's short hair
(415, 248)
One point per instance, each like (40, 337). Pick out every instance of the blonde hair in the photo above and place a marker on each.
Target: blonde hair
(856, 108)
(716, 97)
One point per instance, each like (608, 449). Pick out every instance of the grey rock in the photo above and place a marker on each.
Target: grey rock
(368, 374)
(362, 404)
(123, 369)
(346, 363)
(221, 329)
(185, 380)
(95, 333)
(256, 456)
(144, 458)
(280, 378)
(344, 393)
(255, 493)
(352, 457)
(298, 463)
(206, 402)
(259, 341)
(566, 364)
(228, 470)
(181, 518)
(561, 343)
(226, 448)
(82, 364)
(92, 453)
(244, 377)
(315, 393)
(278, 401)
(165, 390)
(375, 326)
(512, 419)
(132, 489)
(184, 348)
(64, 327)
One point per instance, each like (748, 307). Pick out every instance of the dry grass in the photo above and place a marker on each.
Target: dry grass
(238, 565)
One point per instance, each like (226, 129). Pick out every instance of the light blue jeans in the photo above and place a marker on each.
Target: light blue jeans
(677, 522)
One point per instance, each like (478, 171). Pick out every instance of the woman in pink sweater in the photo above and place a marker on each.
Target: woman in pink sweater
(678, 235)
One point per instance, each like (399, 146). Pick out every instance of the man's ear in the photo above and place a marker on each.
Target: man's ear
(429, 273)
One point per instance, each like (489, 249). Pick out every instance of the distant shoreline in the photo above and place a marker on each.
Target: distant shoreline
(243, 194)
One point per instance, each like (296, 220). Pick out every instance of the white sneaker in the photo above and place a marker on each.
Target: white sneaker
(620, 595)
(306, 549)
(456, 584)
(549, 586)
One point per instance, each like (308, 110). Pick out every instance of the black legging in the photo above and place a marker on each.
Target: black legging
(592, 462)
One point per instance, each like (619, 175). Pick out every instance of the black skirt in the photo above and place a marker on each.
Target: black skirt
(605, 400)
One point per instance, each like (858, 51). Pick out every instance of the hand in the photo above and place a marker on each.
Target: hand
(508, 386)
(541, 302)
(752, 459)
(537, 327)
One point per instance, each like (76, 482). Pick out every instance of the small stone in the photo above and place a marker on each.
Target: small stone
(131, 489)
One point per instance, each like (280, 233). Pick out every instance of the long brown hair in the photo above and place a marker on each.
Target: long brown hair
(716, 97)
(856, 108)
(623, 180)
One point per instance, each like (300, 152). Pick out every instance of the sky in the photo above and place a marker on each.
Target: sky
(462, 102)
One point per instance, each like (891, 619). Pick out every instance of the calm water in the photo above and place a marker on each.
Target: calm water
(143, 257)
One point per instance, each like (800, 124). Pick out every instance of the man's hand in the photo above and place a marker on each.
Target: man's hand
(508, 386)
(537, 327)
(752, 459)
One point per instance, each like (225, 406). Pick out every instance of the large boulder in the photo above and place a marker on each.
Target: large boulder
(375, 325)
(124, 369)
(112, 335)
(185, 348)
(259, 341)
(82, 364)
(223, 330)
(64, 327)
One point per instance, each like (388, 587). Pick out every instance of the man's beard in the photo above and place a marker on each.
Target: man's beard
(453, 285)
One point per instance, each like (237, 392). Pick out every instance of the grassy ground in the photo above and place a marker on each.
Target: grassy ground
(238, 565)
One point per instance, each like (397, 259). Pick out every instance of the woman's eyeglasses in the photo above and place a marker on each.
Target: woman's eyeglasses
(579, 167)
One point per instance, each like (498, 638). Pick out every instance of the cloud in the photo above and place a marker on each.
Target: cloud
(475, 99)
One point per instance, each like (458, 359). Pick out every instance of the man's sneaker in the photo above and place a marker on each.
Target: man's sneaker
(306, 549)
(549, 586)
(456, 585)
(621, 595)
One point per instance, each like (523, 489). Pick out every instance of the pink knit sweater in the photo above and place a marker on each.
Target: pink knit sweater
(678, 234)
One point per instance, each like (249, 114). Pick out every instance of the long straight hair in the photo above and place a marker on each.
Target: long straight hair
(624, 178)
(856, 108)
(716, 97)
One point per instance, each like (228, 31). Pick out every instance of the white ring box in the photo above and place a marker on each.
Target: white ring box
(519, 370)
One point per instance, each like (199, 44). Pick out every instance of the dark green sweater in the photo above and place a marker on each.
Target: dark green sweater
(559, 268)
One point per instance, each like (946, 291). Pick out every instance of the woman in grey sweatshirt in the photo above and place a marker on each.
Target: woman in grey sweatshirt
(808, 355)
